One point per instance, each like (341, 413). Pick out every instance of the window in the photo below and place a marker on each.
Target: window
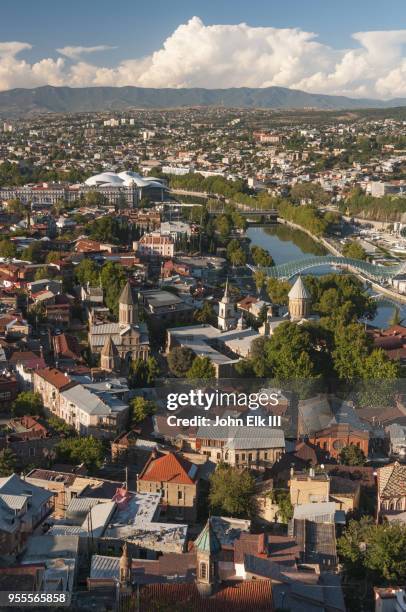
(180, 495)
(218, 455)
(265, 455)
(243, 457)
(31, 451)
(237, 458)
(203, 571)
(250, 457)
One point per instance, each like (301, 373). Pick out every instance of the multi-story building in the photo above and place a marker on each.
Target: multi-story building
(22, 506)
(332, 439)
(49, 383)
(155, 244)
(177, 480)
(240, 445)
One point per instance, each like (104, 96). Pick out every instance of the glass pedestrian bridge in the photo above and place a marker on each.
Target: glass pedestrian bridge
(369, 270)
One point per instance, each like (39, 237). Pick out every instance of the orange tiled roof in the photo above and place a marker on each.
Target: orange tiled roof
(168, 468)
(239, 597)
(55, 377)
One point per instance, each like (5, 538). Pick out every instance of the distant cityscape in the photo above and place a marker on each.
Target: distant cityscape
(146, 252)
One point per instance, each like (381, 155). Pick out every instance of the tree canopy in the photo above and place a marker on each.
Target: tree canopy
(231, 492)
(201, 369)
(180, 359)
(86, 449)
(352, 455)
(375, 551)
(27, 403)
(140, 409)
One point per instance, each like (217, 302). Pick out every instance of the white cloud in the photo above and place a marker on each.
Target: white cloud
(75, 53)
(196, 55)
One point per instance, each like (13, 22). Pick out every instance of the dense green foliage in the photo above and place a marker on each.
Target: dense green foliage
(387, 208)
(374, 551)
(143, 373)
(140, 409)
(354, 250)
(335, 349)
(87, 450)
(282, 498)
(7, 248)
(8, 462)
(352, 455)
(180, 359)
(27, 402)
(112, 278)
(205, 314)
(261, 257)
(231, 492)
(201, 369)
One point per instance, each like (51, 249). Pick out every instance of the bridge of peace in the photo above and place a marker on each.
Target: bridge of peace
(371, 271)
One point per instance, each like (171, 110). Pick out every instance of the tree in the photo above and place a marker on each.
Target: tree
(33, 252)
(180, 359)
(206, 314)
(281, 497)
(354, 250)
(352, 455)
(140, 409)
(152, 370)
(86, 449)
(261, 257)
(351, 545)
(278, 290)
(201, 369)
(8, 462)
(53, 257)
(143, 373)
(223, 226)
(312, 192)
(27, 403)
(7, 249)
(113, 279)
(109, 229)
(60, 426)
(87, 271)
(95, 198)
(351, 349)
(238, 257)
(385, 553)
(41, 273)
(260, 279)
(290, 354)
(377, 551)
(231, 492)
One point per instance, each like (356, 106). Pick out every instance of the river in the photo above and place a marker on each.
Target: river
(286, 244)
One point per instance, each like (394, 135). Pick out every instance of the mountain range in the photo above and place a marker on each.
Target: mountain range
(47, 99)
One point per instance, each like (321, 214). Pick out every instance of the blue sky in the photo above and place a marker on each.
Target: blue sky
(102, 42)
(138, 28)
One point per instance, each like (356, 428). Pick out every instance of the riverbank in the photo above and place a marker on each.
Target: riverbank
(398, 297)
(319, 239)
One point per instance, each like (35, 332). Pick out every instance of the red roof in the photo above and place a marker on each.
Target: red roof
(67, 346)
(28, 359)
(168, 468)
(239, 597)
(55, 377)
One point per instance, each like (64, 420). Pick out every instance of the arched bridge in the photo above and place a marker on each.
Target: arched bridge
(369, 270)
